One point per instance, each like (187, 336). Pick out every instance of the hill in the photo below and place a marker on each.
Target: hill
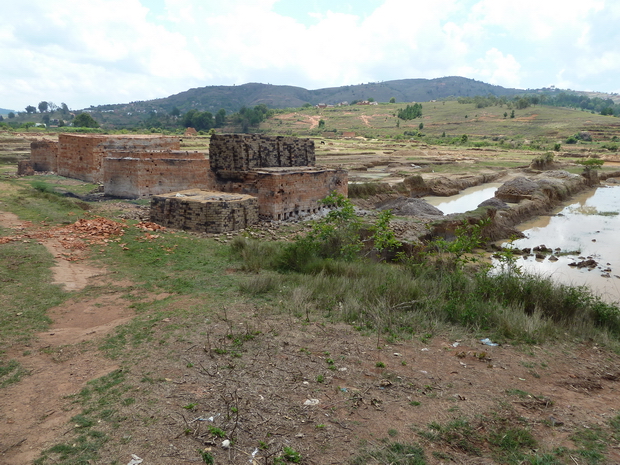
(4, 111)
(232, 98)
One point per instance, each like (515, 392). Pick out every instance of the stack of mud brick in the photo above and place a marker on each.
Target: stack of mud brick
(279, 171)
(204, 211)
(245, 152)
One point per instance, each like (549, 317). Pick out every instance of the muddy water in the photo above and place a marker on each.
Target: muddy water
(467, 200)
(589, 225)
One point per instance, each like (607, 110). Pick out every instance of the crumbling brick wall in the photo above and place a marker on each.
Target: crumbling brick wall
(204, 211)
(81, 156)
(44, 155)
(140, 174)
(244, 152)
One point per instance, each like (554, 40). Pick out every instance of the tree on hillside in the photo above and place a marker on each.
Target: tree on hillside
(200, 121)
(64, 109)
(52, 106)
(410, 112)
(247, 117)
(43, 106)
(84, 120)
(11, 115)
(175, 112)
(31, 109)
(393, 100)
(220, 118)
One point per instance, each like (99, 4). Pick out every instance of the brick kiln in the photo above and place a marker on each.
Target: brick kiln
(279, 173)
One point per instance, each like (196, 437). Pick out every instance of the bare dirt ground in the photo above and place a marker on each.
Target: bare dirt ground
(31, 411)
(318, 388)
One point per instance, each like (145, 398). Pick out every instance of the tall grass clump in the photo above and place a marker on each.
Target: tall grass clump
(340, 269)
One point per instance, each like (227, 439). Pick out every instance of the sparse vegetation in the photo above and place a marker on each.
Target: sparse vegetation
(223, 329)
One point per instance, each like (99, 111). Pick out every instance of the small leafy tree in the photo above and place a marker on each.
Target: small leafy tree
(591, 163)
(335, 236)
(11, 115)
(220, 118)
(43, 106)
(410, 112)
(393, 100)
(383, 237)
(456, 253)
(84, 120)
(31, 109)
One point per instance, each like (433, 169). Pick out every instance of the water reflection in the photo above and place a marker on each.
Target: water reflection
(588, 226)
(467, 200)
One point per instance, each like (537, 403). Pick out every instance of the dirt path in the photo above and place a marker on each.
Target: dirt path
(59, 362)
(314, 121)
(366, 120)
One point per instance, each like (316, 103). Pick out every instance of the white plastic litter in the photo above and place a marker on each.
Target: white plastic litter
(135, 460)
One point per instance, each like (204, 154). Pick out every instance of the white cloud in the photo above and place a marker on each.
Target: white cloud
(109, 51)
(496, 68)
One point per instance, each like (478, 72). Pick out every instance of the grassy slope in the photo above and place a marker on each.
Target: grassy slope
(455, 119)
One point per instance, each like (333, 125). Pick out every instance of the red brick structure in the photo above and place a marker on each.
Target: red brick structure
(285, 193)
(279, 171)
(141, 174)
(44, 155)
(81, 156)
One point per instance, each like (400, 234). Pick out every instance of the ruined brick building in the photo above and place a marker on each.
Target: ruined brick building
(212, 194)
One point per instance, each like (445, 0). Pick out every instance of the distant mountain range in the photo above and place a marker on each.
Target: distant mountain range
(232, 98)
(4, 111)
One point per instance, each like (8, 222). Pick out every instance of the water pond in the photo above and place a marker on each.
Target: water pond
(587, 228)
(467, 200)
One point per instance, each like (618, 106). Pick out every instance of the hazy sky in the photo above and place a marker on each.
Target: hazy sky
(92, 52)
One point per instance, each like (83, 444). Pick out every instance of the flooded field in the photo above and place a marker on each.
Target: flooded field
(467, 200)
(589, 226)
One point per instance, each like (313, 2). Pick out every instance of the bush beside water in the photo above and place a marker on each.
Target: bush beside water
(358, 273)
